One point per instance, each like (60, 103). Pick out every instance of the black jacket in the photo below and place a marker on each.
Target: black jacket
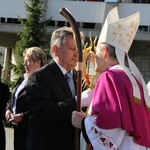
(21, 105)
(4, 97)
(50, 104)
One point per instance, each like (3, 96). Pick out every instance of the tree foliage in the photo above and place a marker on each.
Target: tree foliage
(34, 32)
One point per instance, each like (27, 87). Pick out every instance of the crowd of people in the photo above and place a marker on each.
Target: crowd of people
(42, 106)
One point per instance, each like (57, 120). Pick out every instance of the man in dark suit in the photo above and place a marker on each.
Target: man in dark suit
(4, 97)
(49, 97)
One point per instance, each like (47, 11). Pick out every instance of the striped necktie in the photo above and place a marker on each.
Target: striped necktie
(70, 83)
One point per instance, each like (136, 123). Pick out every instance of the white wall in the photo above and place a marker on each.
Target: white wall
(83, 11)
(12, 8)
(126, 9)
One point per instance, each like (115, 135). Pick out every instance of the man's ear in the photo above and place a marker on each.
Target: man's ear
(105, 52)
(38, 62)
(55, 50)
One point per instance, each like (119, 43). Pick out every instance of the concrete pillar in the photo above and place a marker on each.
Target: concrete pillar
(7, 57)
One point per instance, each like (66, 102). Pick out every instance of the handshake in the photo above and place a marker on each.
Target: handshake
(86, 98)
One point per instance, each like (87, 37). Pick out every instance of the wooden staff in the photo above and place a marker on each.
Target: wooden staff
(64, 12)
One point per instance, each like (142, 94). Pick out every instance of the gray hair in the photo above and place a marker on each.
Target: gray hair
(110, 48)
(59, 37)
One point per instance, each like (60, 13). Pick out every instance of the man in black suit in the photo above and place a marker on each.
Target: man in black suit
(4, 97)
(49, 97)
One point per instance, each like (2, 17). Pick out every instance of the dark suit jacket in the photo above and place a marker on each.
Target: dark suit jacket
(21, 105)
(50, 104)
(4, 97)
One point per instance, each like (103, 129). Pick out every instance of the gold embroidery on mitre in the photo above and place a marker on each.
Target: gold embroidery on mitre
(123, 34)
(137, 100)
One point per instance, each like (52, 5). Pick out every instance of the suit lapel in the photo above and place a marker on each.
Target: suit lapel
(75, 79)
(61, 78)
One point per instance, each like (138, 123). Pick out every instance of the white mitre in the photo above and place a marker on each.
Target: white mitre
(120, 33)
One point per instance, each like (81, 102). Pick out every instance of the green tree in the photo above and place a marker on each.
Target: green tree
(34, 33)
